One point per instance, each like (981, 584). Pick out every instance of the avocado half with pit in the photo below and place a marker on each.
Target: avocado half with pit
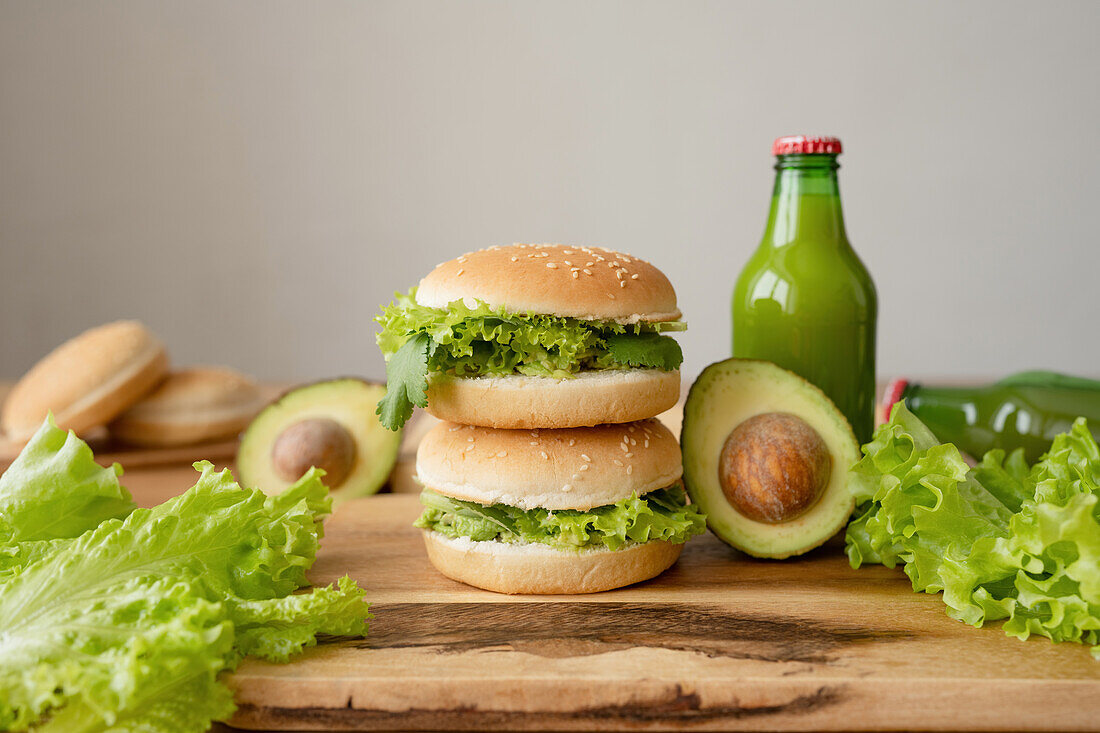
(766, 457)
(330, 425)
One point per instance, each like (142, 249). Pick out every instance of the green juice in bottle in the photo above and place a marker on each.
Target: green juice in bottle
(804, 300)
(1025, 410)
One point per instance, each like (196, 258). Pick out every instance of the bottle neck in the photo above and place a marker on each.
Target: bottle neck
(806, 202)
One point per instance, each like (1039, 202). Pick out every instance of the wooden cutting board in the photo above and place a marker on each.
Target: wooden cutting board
(720, 641)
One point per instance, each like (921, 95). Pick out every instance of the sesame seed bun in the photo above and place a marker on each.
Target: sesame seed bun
(191, 406)
(588, 398)
(576, 468)
(86, 381)
(533, 568)
(590, 283)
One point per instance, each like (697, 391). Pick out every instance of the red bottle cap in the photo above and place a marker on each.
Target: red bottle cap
(805, 144)
(891, 397)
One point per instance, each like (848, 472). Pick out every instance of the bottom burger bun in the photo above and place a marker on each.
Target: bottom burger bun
(191, 406)
(589, 398)
(532, 568)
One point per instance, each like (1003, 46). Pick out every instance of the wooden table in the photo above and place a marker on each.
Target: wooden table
(719, 642)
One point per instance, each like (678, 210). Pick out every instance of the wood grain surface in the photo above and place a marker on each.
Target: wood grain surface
(719, 642)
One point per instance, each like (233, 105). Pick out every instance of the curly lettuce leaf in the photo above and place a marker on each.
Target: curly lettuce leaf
(1001, 540)
(480, 340)
(658, 515)
(127, 626)
(55, 489)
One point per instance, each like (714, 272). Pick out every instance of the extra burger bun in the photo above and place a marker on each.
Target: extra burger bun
(588, 398)
(191, 406)
(532, 568)
(551, 469)
(86, 381)
(590, 283)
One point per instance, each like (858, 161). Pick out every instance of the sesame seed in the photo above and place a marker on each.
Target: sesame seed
(625, 449)
(534, 442)
(630, 429)
(469, 448)
(534, 433)
(629, 455)
(586, 458)
(629, 469)
(589, 264)
(617, 462)
(619, 274)
(633, 442)
(567, 262)
(571, 441)
(625, 259)
(544, 456)
(502, 454)
(551, 265)
(584, 467)
(646, 443)
(575, 477)
(587, 271)
(470, 439)
(461, 270)
(462, 258)
(575, 274)
(567, 487)
(622, 283)
(634, 276)
(611, 296)
(515, 259)
(456, 427)
(567, 251)
(612, 264)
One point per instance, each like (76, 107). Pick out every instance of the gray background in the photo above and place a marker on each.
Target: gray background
(253, 179)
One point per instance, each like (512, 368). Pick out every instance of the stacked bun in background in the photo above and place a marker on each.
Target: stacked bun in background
(117, 376)
(547, 364)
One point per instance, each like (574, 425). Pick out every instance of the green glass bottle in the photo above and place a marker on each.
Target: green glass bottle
(1025, 410)
(804, 300)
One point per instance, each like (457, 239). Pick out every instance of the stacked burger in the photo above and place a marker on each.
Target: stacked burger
(547, 365)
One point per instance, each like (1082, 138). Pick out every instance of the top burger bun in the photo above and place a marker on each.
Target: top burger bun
(577, 468)
(589, 283)
(86, 381)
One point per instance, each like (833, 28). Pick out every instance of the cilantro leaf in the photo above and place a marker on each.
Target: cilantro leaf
(406, 381)
(645, 350)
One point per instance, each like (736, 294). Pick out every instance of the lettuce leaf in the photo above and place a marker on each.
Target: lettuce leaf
(1001, 540)
(127, 626)
(55, 489)
(659, 515)
(480, 340)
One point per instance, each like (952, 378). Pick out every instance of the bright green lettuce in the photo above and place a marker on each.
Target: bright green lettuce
(1001, 540)
(658, 515)
(482, 340)
(128, 625)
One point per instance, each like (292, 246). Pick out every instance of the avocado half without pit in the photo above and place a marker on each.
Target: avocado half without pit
(766, 457)
(329, 425)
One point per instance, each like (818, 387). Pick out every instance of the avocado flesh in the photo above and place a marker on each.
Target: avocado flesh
(351, 403)
(726, 394)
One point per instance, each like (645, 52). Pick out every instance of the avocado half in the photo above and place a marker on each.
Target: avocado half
(331, 425)
(735, 397)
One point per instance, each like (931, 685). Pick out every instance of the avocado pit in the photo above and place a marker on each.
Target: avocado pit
(774, 467)
(314, 442)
